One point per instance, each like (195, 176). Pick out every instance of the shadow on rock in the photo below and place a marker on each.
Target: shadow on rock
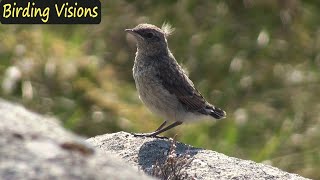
(157, 150)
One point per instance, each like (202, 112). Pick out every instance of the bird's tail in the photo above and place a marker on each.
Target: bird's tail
(216, 112)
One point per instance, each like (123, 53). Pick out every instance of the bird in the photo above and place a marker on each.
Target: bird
(162, 84)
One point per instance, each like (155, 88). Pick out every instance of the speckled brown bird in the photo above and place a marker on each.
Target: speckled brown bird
(162, 84)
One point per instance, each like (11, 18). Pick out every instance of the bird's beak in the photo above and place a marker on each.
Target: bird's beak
(133, 32)
(129, 31)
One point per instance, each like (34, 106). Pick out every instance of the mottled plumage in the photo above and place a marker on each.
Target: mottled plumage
(162, 84)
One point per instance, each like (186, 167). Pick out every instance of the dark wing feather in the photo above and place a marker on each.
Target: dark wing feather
(177, 83)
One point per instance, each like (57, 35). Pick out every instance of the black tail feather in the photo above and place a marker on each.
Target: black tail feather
(215, 112)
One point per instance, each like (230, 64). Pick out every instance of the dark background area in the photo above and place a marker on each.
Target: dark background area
(259, 60)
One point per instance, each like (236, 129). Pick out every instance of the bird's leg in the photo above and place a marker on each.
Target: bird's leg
(161, 126)
(155, 133)
(177, 123)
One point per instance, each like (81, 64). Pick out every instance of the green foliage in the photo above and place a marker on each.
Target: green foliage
(258, 60)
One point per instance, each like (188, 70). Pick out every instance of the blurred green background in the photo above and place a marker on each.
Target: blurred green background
(259, 60)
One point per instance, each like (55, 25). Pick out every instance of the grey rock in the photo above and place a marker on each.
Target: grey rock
(37, 147)
(143, 152)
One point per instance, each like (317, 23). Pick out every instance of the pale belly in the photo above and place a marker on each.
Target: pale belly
(159, 100)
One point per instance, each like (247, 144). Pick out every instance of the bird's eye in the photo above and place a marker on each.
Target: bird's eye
(149, 35)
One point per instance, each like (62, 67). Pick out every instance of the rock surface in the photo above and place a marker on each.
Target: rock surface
(37, 147)
(143, 152)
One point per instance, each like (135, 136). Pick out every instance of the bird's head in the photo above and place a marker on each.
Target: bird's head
(150, 39)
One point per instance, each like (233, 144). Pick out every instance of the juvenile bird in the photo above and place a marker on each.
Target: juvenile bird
(162, 84)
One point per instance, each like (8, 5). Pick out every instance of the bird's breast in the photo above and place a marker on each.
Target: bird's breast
(153, 94)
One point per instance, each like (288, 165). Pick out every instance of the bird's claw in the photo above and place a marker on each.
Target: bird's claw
(148, 135)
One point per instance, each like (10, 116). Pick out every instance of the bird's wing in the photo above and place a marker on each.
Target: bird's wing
(176, 82)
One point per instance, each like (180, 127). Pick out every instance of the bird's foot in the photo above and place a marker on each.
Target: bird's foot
(148, 135)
